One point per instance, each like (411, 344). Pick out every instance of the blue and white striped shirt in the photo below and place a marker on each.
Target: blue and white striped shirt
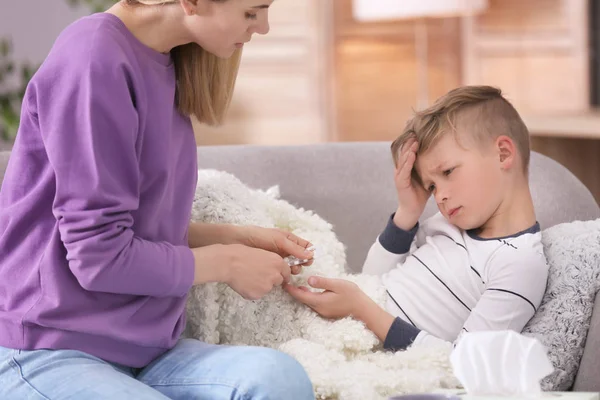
(442, 281)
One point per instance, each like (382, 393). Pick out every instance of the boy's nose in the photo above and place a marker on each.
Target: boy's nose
(441, 197)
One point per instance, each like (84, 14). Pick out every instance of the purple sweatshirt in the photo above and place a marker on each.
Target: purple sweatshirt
(96, 201)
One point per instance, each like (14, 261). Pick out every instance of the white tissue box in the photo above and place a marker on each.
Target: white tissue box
(543, 395)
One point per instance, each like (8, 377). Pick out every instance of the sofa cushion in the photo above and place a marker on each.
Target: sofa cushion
(587, 376)
(563, 319)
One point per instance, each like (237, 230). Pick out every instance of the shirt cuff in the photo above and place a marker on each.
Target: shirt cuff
(184, 275)
(400, 336)
(397, 240)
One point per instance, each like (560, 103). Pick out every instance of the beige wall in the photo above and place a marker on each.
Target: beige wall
(280, 96)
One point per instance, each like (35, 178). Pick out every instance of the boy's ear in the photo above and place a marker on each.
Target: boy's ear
(507, 151)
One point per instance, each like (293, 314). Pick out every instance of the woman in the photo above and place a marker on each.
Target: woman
(96, 251)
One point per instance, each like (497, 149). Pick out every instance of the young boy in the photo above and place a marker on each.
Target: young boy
(476, 265)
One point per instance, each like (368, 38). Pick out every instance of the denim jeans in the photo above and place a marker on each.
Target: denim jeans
(191, 370)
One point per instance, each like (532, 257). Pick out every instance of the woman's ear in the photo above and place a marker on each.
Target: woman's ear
(192, 7)
(507, 151)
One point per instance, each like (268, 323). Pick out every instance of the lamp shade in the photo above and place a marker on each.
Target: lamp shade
(381, 10)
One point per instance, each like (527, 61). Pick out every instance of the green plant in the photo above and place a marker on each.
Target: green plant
(13, 82)
(14, 78)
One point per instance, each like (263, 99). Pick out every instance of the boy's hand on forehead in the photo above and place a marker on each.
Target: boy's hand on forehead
(412, 197)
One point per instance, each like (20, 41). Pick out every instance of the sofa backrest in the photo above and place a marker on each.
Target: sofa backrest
(351, 185)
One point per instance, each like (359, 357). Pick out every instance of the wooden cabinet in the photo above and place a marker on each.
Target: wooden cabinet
(536, 51)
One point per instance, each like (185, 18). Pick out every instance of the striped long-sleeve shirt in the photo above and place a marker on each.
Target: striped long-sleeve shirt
(442, 281)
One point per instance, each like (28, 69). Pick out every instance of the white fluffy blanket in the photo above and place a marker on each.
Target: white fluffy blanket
(343, 358)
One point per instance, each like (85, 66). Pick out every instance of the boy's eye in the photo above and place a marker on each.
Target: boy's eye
(431, 188)
(250, 16)
(448, 171)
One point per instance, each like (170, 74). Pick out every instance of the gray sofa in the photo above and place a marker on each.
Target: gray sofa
(350, 185)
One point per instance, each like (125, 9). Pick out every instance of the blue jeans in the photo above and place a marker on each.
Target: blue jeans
(191, 370)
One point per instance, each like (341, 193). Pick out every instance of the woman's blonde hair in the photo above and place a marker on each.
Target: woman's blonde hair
(205, 82)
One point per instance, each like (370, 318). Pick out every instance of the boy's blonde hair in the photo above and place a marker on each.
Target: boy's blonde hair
(205, 82)
(480, 111)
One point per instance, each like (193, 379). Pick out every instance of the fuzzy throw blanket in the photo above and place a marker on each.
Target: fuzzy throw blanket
(343, 359)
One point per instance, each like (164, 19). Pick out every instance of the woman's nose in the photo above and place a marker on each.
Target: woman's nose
(262, 28)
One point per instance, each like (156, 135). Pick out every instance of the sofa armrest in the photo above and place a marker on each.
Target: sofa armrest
(588, 376)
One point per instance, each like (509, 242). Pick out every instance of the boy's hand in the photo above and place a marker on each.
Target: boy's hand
(343, 298)
(340, 299)
(412, 197)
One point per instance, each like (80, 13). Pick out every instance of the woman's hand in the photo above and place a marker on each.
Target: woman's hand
(249, 271)
(277, 241)
(340, 299)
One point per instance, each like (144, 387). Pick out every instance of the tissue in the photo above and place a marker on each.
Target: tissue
(500, 363)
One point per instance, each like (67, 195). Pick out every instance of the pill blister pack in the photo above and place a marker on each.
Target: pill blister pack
(293, 261)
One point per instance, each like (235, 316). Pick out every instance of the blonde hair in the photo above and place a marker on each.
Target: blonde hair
(205, 82)
(482, 110)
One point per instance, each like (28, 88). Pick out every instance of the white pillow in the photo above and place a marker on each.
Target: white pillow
(563, 319)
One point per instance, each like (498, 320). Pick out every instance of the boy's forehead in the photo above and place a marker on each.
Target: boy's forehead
(437, 155)
(426, 165)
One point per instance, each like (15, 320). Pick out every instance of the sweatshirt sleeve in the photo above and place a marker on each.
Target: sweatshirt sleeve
(90, 129)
